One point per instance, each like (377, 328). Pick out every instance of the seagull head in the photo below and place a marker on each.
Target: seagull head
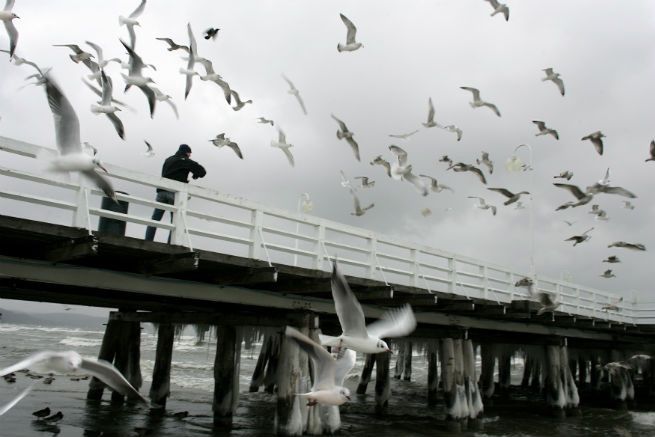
(344, 393)
(98, 163)
(382, 346)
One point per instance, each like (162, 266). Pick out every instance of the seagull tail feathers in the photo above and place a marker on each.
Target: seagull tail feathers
(339, 134)
(328, 340)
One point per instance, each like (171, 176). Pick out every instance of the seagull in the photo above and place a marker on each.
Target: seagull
(211, 33)
(564, 175)
(281, 143)
(600, 188)
(238, 105)
(70, 362)
(98, 92)
(499, 8)
(136, 78)
(345, 182)
(131, 21)
(221, 140)
(651, 151)
(102, 62)
(150, 152)
(519, 205)
(404, 136)
(596, 139)
(583, 198)
(189, 72)
(351, 44)
(569, 223)
(608, 274)
(632, 246)
(294, 92)
(356, 335)
(577, 239)
(511, 197)
(557, 80)
(435, 186)
(613, 306)
(425, 212)
(172, 45)
(211, 75)
(91, 147)
(83, 57)
(482, 204)
(7, 17)
(359, 211)
(418, 183)
(263, 120)
(599, 213)
(366, 182)
(628, 205)
(400, 168)
(543, 130)
(329, 373)
(460, 166)
(430, 122)
(486, 161)
(44, 412)
(343, 132)
(67, 134)
(161, 97)
(546, 300)
(22, 61)
(383, 162)
(447, 160)
(612, 259)
(454, 129)
(606, 180)
(524, 282)
(477, 102)
(105, 106)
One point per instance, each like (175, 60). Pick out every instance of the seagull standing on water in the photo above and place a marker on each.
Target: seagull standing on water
(477, 102)
(351, 45)
(343, 132)
(7, 17)
(356, 335)
(67, 133)
(294, 92)
(555, 78)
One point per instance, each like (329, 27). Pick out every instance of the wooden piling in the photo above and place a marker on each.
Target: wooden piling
(107, 353)
(161, 373)
(226, 375)
(433, 376)
(407, 375)
(568, 381)
(527, 370)
(461, 409)
(382, 383)
(504, 370)
(270, 378)
(447, 359)
(365, 378)
(264, 355)
(400, 360)
(473, 396)
(127, 356)
(582, 372)
(488, 358)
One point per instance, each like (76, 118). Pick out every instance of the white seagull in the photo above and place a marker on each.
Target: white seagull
(596, 139)
(189, 72)
(150, 152)
(329, 373)
(482, 204)
(211, 75)
(404, 136)
(577, 239)
(131, 21)
(431, 122)
(172, 45)
(486, 161)
(582, 197)
(555, 78)
(564, 175)
(262, 120)
(161, 97)
(435, 185)
(7, 17)
(477, 102)
(101, 61)
(379, 160)
(282, 144)
(105, 105)
(135, 77)
(454, 129)
(511, 197)
(356, 335)
(543, 130)
(366, 181)
(221, 140)
(460, 167)
(238, 104)
(400, 168)
(499, 8)
(67, 133)
(359, 211)
(343, 132)
(294, 92)
(351, 44)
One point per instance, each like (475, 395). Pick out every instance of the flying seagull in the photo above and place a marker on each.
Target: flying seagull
(430, 122)
(383, 162)
(628, 205)
(135, 77)
(614, 305)
(577, 239)
(211, 75)
(482, 204)
(651, 151)
(238, 104)
(582, 197)
(435, 186)
(477, 102)
(329, 373)
(399, 168)
(447, 160)
(282, 144)
(172, 45)
(211, 33)
(83, 57)
(105, 105)
(555, 78)
(351, 44)
(564, 175)
(632, 246)
(486, 161)
(454, 129)
(403, 136)
(263, 120)
(7, 17)
(150, 152)
(343, 132)
(221, 140)
(356, 335)
(460, 166)
(608, 274)
(421, 186)
(546, 300)
(101, 61)
(161, 97)
(22, 61)
(294, 92)
(366, 181)
(601, 188)
(596, 140)
(612, 259)
(67, 134)
(499, 8)
(511, 197)
(359, 211)
(131, 21)
(543, 130)
(189, 72)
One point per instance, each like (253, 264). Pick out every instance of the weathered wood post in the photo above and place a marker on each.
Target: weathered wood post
(461, 409)
(582, 372)
(473, 396)
(226, 375)
(560, 388)
(447, 358)
(433, 376)
(505, 369)
(128, 355)
(382, 382)
(365, 378)
(527, 370)
(161, 373)
(270, 378)
(407, 374)
(568, 381)
(400, 360)
(264, 355)
(107, 353)
(488, 357)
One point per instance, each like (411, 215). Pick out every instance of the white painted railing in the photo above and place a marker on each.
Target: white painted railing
(206, 219)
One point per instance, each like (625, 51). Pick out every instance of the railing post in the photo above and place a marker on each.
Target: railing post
(257, 218)
(511, 285)
(81, 217)
(372, 258)
(320, 247)
(179, 222)
(485, 280)
(415, 268)
(452, 266)
(577, 298)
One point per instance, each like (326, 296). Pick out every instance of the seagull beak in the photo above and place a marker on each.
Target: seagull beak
(389, 351)
(103, 168)
(348, 397)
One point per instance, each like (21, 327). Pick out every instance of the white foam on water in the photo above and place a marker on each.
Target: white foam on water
(81, 342)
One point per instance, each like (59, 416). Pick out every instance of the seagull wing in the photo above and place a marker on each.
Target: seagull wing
(234, 146)
(430, 111)
(118, 124)
(344, 364)
(302, 104)
(620, 191)
(9, 405)
(349, 311)
(139, 10)
(107, 89)
(67, 125)
(98, 50)
(352, 30)
(102, 183)
(652, 149)
(193, 51)
(325, 364)
(540, 125)
(419, 183)
(9, 5)
(342, 125)
(149, 147)
(289, 156)
(400, 154)
(293, 88)
(573, 189)
(492, 107)
(152, 99)
(505, 192)
(560, 85)
(479, 173)
(598, 145)
(136, 63)
(27, 363)
(170, 102)
(354, 146)
(475, 91)
(13, 36)
(395, 323)
(108, 374)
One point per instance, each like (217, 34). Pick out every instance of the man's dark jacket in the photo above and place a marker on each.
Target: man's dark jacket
(178, 167)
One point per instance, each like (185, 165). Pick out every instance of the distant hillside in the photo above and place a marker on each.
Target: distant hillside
(69, 319)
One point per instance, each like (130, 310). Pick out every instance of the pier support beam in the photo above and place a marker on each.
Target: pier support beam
(505, 370)
(128, 356)
(161, 374)
(560, 388)
(226, 375)
(403, 369)
(473, 396)
(433, 376)
(488, 357)
(107, 353)
(264, 357)
(369, 362)
(382, 382)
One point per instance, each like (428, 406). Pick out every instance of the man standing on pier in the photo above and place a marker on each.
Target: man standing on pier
(176, 167)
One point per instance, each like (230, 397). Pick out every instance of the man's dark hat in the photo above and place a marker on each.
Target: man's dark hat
(184, 148)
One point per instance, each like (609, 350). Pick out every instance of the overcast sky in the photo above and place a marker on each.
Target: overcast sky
(412, 51)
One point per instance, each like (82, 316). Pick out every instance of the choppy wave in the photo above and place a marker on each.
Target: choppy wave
(81, 342)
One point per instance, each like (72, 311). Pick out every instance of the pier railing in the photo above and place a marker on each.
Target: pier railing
(207, 219)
